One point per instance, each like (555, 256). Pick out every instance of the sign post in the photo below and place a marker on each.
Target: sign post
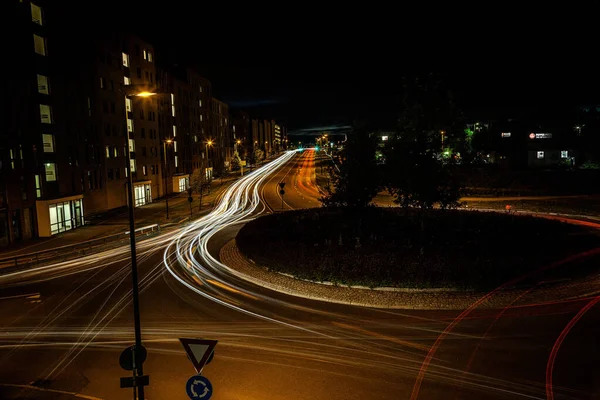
(200, 352)
(281, 192)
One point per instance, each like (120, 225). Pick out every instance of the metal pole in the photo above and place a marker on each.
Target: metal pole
(165, 174)
(134, 272)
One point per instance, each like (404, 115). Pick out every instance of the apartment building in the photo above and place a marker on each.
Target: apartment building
(241, 132)
(40, 191)
(264, 135)
(183, 125)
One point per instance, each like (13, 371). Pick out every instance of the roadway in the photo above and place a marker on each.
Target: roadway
(63, 327)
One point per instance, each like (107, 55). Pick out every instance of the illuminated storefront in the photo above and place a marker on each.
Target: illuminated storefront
(59, 215)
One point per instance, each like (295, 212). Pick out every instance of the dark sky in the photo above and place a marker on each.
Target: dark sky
(326, 72)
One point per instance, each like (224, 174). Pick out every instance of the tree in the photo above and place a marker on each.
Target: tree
(356, 183)
(418, 160)
(257, 155)
(199, 181)
(236, 161)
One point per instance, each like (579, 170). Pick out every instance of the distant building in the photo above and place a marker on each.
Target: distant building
(263, 135)
(222, 148)
(241, 131)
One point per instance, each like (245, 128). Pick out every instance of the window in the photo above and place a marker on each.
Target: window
(145, 54)
(144, 171)
(125, 60)
(174, 131)
(540, 154)
(201, 118)
(107, 149)
(39, 45)
(176, 161)
(505, 134)
(43, 87)
(132, 165)
(12, 158)
(102, 83)
(195, 138)
(149, 57)
(175, 146)
(115, 152)
(564, 154)
(129, 125)
(38, 187)
(200, 102)
(142, 114)
(128, 104)
(48, 141)
(383, 138)
(45, 114)
(66, 215)
(139, 72)
(131, 145)
(172, 104)
(126, 80)
(36, 14)
(50, 172)
(183, 184)
(109, 174)
(200, 88)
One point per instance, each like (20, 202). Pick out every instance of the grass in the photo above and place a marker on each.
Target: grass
(399, 248)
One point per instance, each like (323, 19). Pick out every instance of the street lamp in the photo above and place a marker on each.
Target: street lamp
(138, 353)
(165, 142)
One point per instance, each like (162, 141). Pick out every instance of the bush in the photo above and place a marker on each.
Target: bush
(408, 248)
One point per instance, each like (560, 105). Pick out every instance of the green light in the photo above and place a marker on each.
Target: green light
(317, 148)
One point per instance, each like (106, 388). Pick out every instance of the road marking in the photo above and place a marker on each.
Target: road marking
(380, 336)
(81, 396)
(27, 296)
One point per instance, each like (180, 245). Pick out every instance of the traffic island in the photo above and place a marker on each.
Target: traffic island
(410, 259)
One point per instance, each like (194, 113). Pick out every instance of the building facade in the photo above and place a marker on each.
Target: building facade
(221, 148)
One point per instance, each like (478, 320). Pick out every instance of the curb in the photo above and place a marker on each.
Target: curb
(399, 298)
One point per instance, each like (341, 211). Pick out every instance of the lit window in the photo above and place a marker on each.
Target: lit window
(102, 83)
(45, 114)
(48, 141)
(126, 80)
(107, 149)
(126, 60)
(540, 154)
(384, 138)
(149, 57)
(564, 154)
(176, 161)
(172, 104)
(39, 45)
(115, 152)
(200, 88)
(12, 158)
(195, 139)
(175, 146)
(200, 102)
(132, 165)
(145, 54)
(128, 104)
(129, 125)
(43, 87)
(131, 145)
(38, 187)
(50, 172)
(174, 131)
(36, 14)
(144, 172)
(505, 134)
(201, 118)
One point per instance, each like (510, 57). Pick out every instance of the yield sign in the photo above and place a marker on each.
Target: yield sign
(198, 351)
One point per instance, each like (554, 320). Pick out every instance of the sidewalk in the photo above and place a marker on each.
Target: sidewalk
(116, 221)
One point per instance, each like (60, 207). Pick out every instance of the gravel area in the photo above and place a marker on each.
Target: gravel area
(537, 292)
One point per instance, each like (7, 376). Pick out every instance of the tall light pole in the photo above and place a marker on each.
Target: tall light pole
(165, 142)
(138, 358)
(208, 143)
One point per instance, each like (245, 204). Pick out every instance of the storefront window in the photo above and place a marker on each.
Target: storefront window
(65, 216)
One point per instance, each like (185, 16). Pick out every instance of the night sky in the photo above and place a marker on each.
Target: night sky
(310, 74)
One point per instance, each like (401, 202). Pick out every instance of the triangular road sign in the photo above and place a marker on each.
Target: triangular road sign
(199, 351)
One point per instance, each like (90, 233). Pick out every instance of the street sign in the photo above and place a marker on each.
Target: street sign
(126, 357)
(199, 387)
(199, 351)
(282, 184)
(282, 192)
(135, 381)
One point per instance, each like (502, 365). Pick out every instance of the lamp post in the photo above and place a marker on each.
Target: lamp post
(138, 359)
(165, 142)
(208, 143)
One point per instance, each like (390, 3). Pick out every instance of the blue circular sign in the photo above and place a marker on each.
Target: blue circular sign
(199, 387)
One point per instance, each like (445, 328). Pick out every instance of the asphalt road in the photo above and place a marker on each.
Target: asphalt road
(66, 333)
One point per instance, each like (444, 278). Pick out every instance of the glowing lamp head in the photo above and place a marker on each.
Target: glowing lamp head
(144, 94)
